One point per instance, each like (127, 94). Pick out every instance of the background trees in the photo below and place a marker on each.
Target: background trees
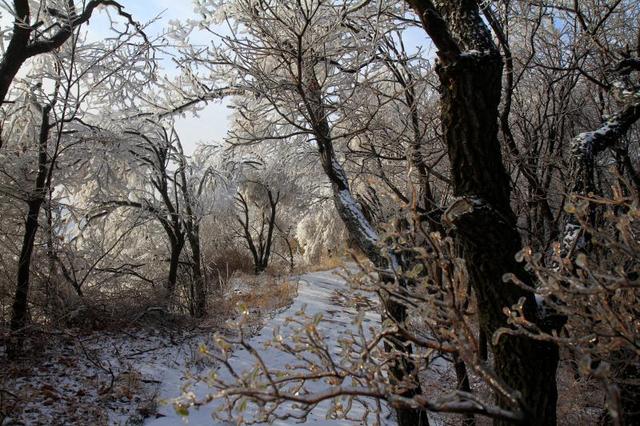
(316, 91)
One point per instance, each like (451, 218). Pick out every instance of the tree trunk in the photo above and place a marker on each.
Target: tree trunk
(174, 263)
(463, 384)
(15, 55)
(362, 232)
(273, 205)
(19, 315)
(486, 228)
(20, 303)
(244, 223)
(200, 298)
(470, 73)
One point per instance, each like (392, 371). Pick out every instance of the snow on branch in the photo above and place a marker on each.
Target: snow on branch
(589, 144)
(73, 21)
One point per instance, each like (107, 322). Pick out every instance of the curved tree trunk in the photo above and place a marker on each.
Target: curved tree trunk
(362, 232)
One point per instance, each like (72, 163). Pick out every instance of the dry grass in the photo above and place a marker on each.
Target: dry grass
(263, 293)
(324, 264)
(226, 263)
(580, 400)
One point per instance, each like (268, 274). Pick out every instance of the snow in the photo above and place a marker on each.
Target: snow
(316, 294)
(349, 203)
(472, 53)
(120, 377)
(588, 144)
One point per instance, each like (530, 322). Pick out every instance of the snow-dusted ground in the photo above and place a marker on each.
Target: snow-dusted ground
(115, 378)
(101, 378)
(316, 294)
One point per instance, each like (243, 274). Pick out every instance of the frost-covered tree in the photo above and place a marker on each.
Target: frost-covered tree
(291, 69)
(300, 68)
(48, 125)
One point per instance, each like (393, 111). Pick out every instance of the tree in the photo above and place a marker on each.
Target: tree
(260, 246)
(60, 128)
(597, 292)
(152, 148)
(38, 195)
(294, 69)
(470, 73)
(192, 184)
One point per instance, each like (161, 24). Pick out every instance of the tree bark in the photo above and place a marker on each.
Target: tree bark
(22, 47)
(463, 384)
(470, 73)
(192, 228)
(273, 205)
(200, 297)
(177, 244)
(15, 55)
(20, 302)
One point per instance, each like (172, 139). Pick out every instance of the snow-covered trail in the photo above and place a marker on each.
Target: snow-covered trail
(315, 292)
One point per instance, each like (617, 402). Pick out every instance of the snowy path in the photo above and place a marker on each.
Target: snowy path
(314, 292)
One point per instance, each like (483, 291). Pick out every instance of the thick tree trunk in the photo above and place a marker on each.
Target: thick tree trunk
(16, 54)
(470, 73)
(486, 227)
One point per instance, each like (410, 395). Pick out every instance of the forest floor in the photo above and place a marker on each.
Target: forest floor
(113, 376)
(131, 377)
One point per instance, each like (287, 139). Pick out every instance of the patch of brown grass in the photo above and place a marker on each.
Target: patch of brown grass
(226, 263)
(325, 264)
(264, 294)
